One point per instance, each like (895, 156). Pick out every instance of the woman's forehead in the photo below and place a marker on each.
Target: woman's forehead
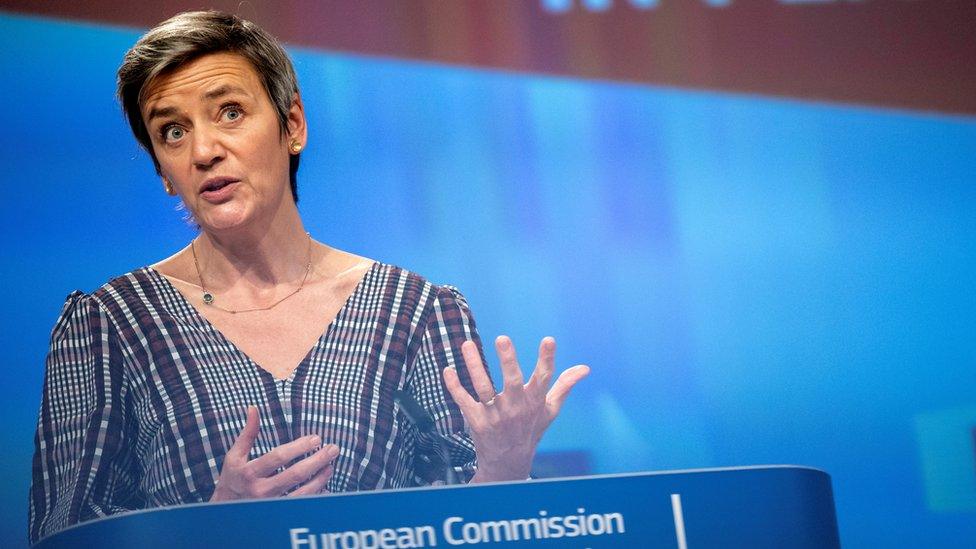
(203, 78)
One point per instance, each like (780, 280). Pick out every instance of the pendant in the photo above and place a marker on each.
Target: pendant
(208, 298)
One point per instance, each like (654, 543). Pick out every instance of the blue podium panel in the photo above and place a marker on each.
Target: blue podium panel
(755, 507)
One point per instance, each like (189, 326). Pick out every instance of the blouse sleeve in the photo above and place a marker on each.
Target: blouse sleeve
(83, 466)
(449, 324)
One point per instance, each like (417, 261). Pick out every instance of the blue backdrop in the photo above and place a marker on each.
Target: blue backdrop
(752, 280)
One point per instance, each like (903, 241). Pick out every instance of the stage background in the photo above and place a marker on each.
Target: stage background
(756, 223)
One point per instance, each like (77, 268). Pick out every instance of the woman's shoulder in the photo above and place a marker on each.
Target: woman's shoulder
(409, 287)
(116, 299)
(125, 292)
(132, 286)
(409, 280)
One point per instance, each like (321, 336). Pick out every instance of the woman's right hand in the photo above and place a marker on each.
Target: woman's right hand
(241, 478)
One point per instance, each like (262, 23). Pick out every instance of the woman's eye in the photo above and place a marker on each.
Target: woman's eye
(232, 114)
(173, 133)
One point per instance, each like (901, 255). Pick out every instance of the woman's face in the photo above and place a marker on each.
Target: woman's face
(217, 138)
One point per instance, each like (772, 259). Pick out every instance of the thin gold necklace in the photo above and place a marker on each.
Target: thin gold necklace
(208, 298)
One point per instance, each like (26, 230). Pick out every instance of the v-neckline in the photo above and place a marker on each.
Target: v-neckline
(264, 372)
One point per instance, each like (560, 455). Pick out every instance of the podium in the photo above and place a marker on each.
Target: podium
(755, 507)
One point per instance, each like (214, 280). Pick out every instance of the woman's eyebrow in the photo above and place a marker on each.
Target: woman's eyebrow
(223, 90)
(156, 113)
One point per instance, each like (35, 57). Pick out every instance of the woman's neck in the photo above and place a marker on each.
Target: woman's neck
(259, 257)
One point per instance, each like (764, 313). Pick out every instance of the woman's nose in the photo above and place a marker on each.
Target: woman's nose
(207, 148)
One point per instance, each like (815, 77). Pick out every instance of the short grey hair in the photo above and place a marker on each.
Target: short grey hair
(190, 35)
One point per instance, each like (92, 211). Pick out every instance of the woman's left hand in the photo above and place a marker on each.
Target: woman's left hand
(506, 427)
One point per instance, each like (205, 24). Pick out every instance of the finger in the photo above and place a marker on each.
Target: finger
(511, 373)
(245, 440)
(544, 366)
(316, 484)
(557, 395)
(476, 369)
(284, 454)
(302, 471)
(460, 395)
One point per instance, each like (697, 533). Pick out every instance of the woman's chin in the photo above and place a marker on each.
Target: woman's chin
(223, 218)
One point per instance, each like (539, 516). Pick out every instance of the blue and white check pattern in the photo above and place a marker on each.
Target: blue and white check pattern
(143, 396)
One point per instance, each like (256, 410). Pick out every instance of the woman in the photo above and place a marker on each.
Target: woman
(257, 362)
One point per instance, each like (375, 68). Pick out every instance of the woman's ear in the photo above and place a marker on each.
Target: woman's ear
(168, 187)
(297, 129)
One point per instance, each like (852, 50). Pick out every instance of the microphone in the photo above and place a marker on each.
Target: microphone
(424, 423)
(414, 411)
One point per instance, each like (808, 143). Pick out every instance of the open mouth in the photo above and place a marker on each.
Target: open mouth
(216, 184)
